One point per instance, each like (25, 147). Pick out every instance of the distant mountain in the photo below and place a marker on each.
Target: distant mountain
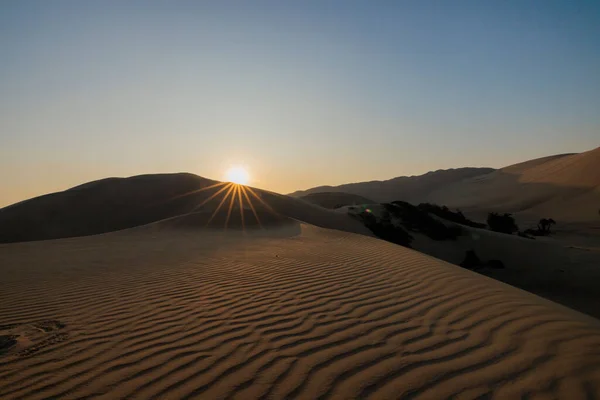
(413, 189)
(565, 186)
(334, 200)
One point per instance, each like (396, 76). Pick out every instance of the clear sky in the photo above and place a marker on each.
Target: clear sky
(303, 93)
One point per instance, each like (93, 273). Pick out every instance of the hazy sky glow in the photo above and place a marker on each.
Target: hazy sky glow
(303, 93)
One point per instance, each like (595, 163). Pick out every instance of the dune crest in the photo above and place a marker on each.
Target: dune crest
(121, 203)
(564, 186)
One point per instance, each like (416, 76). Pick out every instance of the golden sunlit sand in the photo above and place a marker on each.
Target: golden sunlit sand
(239, 294)
(367, 214)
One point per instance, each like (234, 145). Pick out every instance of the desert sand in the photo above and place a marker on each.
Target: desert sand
(174, 287)
(176, 310)
(334, 200)
(566, 187)
(546, 266)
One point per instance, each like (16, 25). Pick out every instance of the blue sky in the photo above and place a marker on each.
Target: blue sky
(303, 93)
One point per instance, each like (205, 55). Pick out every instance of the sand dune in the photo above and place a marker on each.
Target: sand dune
(334, 200)
(547, 266)
(120, 203)
(566, 187)
(565, 274)
(407, 188)
(310, 313)
(196, 295)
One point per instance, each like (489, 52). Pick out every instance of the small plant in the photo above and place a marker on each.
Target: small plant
(416, 220)
(545, 224)
(445, 213)
(473, 262)
(384, 229)
(543, 228)
(503, 223)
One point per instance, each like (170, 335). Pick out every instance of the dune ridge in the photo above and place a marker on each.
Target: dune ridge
(407, 188)
(114, 204)
(564, 186)
(312, 313)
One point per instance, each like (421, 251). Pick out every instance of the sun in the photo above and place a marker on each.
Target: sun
(237, 175)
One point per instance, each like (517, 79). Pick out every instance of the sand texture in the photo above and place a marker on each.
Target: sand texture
(173, 311)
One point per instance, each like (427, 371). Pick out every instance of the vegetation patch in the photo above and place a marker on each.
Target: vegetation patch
(473, 262)
(416, 220)
(543, 228)
(503, 223)
(384, 229)
(449, 215)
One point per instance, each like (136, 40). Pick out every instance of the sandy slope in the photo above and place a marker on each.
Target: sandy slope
(551, 267)
(545, 266)
(407, 188)
(565, 187)
(292, 311)
(119, 203)
(333, 200)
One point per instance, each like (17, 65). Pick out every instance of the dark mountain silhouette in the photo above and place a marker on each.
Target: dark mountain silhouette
(413, 189)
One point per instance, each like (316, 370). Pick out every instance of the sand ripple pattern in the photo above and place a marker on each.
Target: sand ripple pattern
(319, 315)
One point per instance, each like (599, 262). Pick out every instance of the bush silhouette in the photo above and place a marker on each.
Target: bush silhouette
(545, 224)
(417, 220)
(543, 228)
(384, 229)
(473, 262)
(445, 213)
(503, 223)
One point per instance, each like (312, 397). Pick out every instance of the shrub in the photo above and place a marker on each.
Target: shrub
(417, 220)
(544, 225)
(543, 228)
(471, 261)
(503, 223)
(384, 229)
(445, 213)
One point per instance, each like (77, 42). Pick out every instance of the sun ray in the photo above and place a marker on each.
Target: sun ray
(213, 196)
(220, 204)
(198, 190)
(239, 192)
(235, 190)
(243, 189)
(186, 194)
(261, 200)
